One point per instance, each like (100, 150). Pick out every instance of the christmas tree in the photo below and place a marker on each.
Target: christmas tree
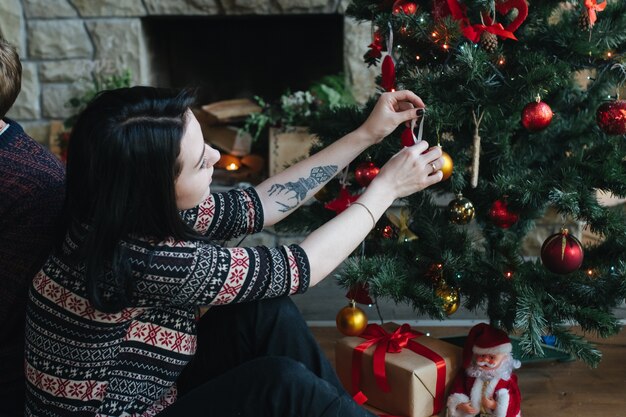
(523, 98)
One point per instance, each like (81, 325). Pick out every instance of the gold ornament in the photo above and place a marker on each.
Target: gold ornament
(450, 296)
(351, 320)
(460, 210)
(402, 223)
(448, 166)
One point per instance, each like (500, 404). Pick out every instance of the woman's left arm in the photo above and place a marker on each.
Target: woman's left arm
(286, 191)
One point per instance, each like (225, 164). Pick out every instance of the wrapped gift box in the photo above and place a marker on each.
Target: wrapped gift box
(412, 378)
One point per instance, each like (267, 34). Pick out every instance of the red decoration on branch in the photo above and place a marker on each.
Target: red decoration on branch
(473, 32)
(522, 12)
(376, 47)
(388, 74)
(404, 6)
(342, 202)
(536, 116)
(365, 172)
(440, 10)
(501, 216)
(592, 7)
(562, 253)
(611, 117)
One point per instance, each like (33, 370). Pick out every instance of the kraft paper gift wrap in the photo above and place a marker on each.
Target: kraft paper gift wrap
(417, 383)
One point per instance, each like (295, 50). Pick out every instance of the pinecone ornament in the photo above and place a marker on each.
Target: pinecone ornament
(583, 20)
(489, 42)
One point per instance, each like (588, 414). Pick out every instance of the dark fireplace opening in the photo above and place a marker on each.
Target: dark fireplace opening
(229, 57)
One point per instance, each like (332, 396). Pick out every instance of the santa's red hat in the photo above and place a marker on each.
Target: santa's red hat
(485, 339)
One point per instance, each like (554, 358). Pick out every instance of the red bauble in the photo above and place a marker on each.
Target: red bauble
(562, 253)
(365, 172)
(404, 6)
(501, 216)
(611, 117)
(536, 116)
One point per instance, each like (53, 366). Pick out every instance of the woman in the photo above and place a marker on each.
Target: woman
(111, 328)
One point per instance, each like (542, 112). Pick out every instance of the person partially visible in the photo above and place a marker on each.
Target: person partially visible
(31, 200)
(486, 386)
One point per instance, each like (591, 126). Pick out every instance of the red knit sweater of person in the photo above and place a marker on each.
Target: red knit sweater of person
(31, 200)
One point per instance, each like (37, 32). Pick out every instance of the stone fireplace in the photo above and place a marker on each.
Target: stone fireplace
(62, 43)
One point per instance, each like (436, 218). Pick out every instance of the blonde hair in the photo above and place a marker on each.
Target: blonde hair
(10, 76)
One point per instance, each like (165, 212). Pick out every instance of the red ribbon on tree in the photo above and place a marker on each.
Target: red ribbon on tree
(394, 343)
(593, 7)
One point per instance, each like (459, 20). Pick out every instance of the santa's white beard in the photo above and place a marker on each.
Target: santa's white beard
(503, 371)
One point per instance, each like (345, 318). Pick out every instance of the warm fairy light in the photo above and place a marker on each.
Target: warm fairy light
(434, 34)
(232, 167)
(508, 274)
(609, 54)
(590, 272)
(501, 61)
(445, 46)
(417, 57)
(393, 89)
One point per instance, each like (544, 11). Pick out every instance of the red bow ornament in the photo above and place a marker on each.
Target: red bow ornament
(593, 7)
(342, 202)
(473, 32)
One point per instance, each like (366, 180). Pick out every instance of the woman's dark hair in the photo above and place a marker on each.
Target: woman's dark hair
(121, 168)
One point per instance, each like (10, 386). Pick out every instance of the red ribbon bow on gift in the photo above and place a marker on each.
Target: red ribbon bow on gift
(394, 343)
(592, 7)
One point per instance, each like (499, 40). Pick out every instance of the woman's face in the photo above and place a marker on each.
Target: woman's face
(197, 160)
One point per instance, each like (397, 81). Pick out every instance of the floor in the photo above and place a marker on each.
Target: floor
(552, 389)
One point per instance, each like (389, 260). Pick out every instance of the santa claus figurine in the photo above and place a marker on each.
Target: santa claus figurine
(486, 385)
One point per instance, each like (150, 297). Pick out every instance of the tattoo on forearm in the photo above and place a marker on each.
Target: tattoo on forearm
(293, 193)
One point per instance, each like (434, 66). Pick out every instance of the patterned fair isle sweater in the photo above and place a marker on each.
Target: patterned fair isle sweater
(31, 199)
(83, 362)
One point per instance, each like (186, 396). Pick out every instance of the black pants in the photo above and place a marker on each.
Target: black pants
(259, 359)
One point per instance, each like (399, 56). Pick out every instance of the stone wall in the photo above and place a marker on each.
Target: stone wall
(63, 42)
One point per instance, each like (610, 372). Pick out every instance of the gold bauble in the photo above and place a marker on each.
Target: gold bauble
(351, 320)
(448, 166)
(450, 296)
(460, 210)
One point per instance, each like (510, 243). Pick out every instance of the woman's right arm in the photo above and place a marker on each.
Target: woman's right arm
(407, 172)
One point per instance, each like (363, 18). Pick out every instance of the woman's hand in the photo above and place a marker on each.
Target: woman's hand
(391, 110)
(410, 170)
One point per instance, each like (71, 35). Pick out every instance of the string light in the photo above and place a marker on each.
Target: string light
(508, 274)
(417, 57)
